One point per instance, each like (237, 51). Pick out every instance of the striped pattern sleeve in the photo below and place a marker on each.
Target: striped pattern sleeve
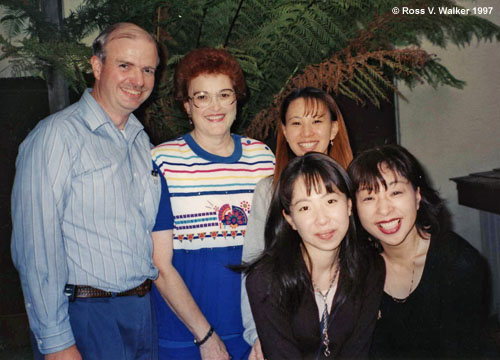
(42, 174)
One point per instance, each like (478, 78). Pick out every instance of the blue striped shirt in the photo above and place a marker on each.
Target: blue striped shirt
(84, 203)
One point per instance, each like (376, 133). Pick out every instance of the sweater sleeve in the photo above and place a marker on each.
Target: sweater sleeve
(165, 216)
(254, 235)
(358, 344)
(252, 247)
(273, 325)
(462, 300)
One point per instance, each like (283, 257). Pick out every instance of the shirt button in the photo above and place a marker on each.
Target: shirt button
(135, 174)
(40, 342)
(28, 305)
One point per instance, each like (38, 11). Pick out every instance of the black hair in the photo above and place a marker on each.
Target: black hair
(283, 256)
(365, 172)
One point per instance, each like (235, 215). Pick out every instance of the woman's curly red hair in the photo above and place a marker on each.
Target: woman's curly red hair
(207, 61)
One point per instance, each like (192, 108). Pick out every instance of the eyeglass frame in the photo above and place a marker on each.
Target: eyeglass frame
(212, 97)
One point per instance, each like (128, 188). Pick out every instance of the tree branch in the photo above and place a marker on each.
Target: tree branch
(226, 42)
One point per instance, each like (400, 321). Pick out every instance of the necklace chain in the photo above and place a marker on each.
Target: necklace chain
(402, 301)
(325, 340)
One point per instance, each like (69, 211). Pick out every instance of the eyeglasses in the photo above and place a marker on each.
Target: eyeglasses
(203, 99)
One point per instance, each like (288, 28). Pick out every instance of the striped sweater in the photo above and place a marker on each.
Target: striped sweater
(211, 199)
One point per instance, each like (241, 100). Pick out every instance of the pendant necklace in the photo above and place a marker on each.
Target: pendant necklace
(325, 340)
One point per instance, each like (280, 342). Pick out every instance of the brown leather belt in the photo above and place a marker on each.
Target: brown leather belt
(82, 291)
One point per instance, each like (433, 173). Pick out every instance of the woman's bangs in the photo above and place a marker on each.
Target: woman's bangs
(314, 107)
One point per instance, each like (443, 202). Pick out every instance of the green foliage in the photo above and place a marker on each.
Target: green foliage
(352, 47)
(45, 46)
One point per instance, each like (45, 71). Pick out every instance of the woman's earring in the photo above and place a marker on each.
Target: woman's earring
(190, 121)
(331, 142)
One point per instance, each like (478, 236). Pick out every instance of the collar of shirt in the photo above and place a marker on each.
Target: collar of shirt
(100, 117)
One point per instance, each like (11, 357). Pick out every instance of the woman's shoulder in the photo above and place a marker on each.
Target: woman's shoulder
(455, 253)
(455, 245)
(259, 280)
(179, 141)
(264, 186)
(253, 144)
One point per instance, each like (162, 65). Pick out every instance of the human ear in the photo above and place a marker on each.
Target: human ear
(418, 197)
(283, 129)
(187, 108)
(289, 219)
(349, 206)
(96, 64)
(334, 130)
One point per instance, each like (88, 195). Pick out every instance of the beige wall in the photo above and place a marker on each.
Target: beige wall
(457, 132)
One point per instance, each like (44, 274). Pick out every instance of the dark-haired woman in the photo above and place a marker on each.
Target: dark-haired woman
(313, 292)
(432, 305)
(310, 121)
(211, 175)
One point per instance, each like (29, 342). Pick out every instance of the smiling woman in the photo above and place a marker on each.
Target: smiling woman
(211, 113)
(314, 292)
(310, 121)
(432, 305)
(320, 217)
(309, 126)
(209, 176)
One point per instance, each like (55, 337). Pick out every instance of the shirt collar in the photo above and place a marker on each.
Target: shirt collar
(95, 116)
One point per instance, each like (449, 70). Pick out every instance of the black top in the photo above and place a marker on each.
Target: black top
(442, 317)
(298, 337)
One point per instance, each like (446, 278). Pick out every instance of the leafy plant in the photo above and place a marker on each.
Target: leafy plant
(350, 47)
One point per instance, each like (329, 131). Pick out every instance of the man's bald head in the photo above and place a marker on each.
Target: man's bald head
(119, 31)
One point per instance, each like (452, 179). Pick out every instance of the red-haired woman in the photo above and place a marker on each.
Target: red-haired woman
(310, 121)
(211, 175)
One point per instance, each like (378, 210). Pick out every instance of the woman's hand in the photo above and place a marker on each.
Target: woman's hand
(256, 353)
(214, 349)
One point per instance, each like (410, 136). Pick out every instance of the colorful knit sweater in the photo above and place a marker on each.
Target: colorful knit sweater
(211, 198)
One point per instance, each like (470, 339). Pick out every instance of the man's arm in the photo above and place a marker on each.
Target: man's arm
(42, 179)
(177, 296)
(70, 353)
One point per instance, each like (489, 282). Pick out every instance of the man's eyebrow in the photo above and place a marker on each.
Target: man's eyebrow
(122, 61)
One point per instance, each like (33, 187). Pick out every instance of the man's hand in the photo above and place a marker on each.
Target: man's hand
(70, 353)
(256, 353)
(214, 349)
